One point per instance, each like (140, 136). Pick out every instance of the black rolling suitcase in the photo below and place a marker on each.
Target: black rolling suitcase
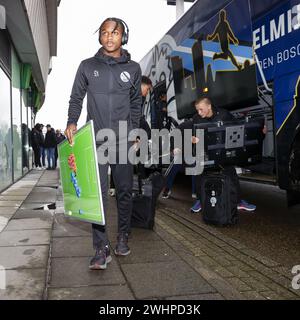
(219, 199)
(144, 198)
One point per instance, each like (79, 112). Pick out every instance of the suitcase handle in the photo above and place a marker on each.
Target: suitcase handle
(169, 167)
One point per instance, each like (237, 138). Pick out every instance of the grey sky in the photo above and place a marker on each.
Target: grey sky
(148, 21)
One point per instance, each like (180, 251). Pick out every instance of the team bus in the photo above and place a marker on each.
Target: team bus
(244, 54)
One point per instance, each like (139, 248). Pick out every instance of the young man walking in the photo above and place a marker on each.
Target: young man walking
(112, 82)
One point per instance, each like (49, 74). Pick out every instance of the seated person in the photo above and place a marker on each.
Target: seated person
(206, 112)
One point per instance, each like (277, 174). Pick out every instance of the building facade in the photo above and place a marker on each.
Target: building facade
(28, 40)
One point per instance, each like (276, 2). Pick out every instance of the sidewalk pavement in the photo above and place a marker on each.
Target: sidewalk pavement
(46, 255)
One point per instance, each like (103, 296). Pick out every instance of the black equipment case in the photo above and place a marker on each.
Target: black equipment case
(219, 198)
(145, 193)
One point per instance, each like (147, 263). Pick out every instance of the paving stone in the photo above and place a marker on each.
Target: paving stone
(164, 280)
(273, 275)
(205, 296)
(208, 261)
(24, 257)
(116, 292)
(284, 271)
(233, 243)
(270, 295)
(213, 252)
(286, 293)
(260, 277)
(3, 222)
(48, 184)
(255, 284)
(238, 284)
(221, 259)
(198, 252)
(7, 210)
(12, 198)
(28, 224)
(253, 295)
(223, 272)
(241, 265)
(64, 227)
(72, 272)
(37, 197)
(26, 185)
(155, 253)
(25, 237)
(6, 217)
(262, 259)
(72, 247)
(29, 214)
(26, 284)
(236, 271)
(16, 192)
(144, 235)
(13, 204)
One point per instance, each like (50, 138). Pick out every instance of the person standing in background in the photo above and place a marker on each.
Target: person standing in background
(59, 138)
(42, 146)
(50, 144)
(36, 140)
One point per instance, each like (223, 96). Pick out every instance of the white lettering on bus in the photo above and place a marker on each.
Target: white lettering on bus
(286, 23)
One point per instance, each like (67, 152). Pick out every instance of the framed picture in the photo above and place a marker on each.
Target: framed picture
(80, 177)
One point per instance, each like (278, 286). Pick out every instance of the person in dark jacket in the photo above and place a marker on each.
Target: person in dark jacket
(50, 144)
(112, 82)
(59, 138)
(36, 143)
(42, 146)
(207, 112)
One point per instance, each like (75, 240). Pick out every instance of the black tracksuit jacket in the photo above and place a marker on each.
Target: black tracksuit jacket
(113, 87)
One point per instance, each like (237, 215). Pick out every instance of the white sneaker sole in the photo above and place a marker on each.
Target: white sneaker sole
(122, 254)
(196, 211)
(245, 209)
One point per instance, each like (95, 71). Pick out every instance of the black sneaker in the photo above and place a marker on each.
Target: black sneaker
(122, 248)
(101, 258)
(166, 193)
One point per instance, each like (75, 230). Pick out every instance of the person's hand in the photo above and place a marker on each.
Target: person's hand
(176, 151)
(195, 139)
(265, 130)
(209, 37)
(70, 131)
(236, 42)
(136, 144)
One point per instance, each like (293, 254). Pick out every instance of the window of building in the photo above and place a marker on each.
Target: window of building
(30, 151)
(5, 132)
(16, 116)
(25, 133)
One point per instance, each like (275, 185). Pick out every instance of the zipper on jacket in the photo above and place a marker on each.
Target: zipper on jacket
(111, 85)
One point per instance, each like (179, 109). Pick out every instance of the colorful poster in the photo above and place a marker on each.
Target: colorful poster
(80, 177)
